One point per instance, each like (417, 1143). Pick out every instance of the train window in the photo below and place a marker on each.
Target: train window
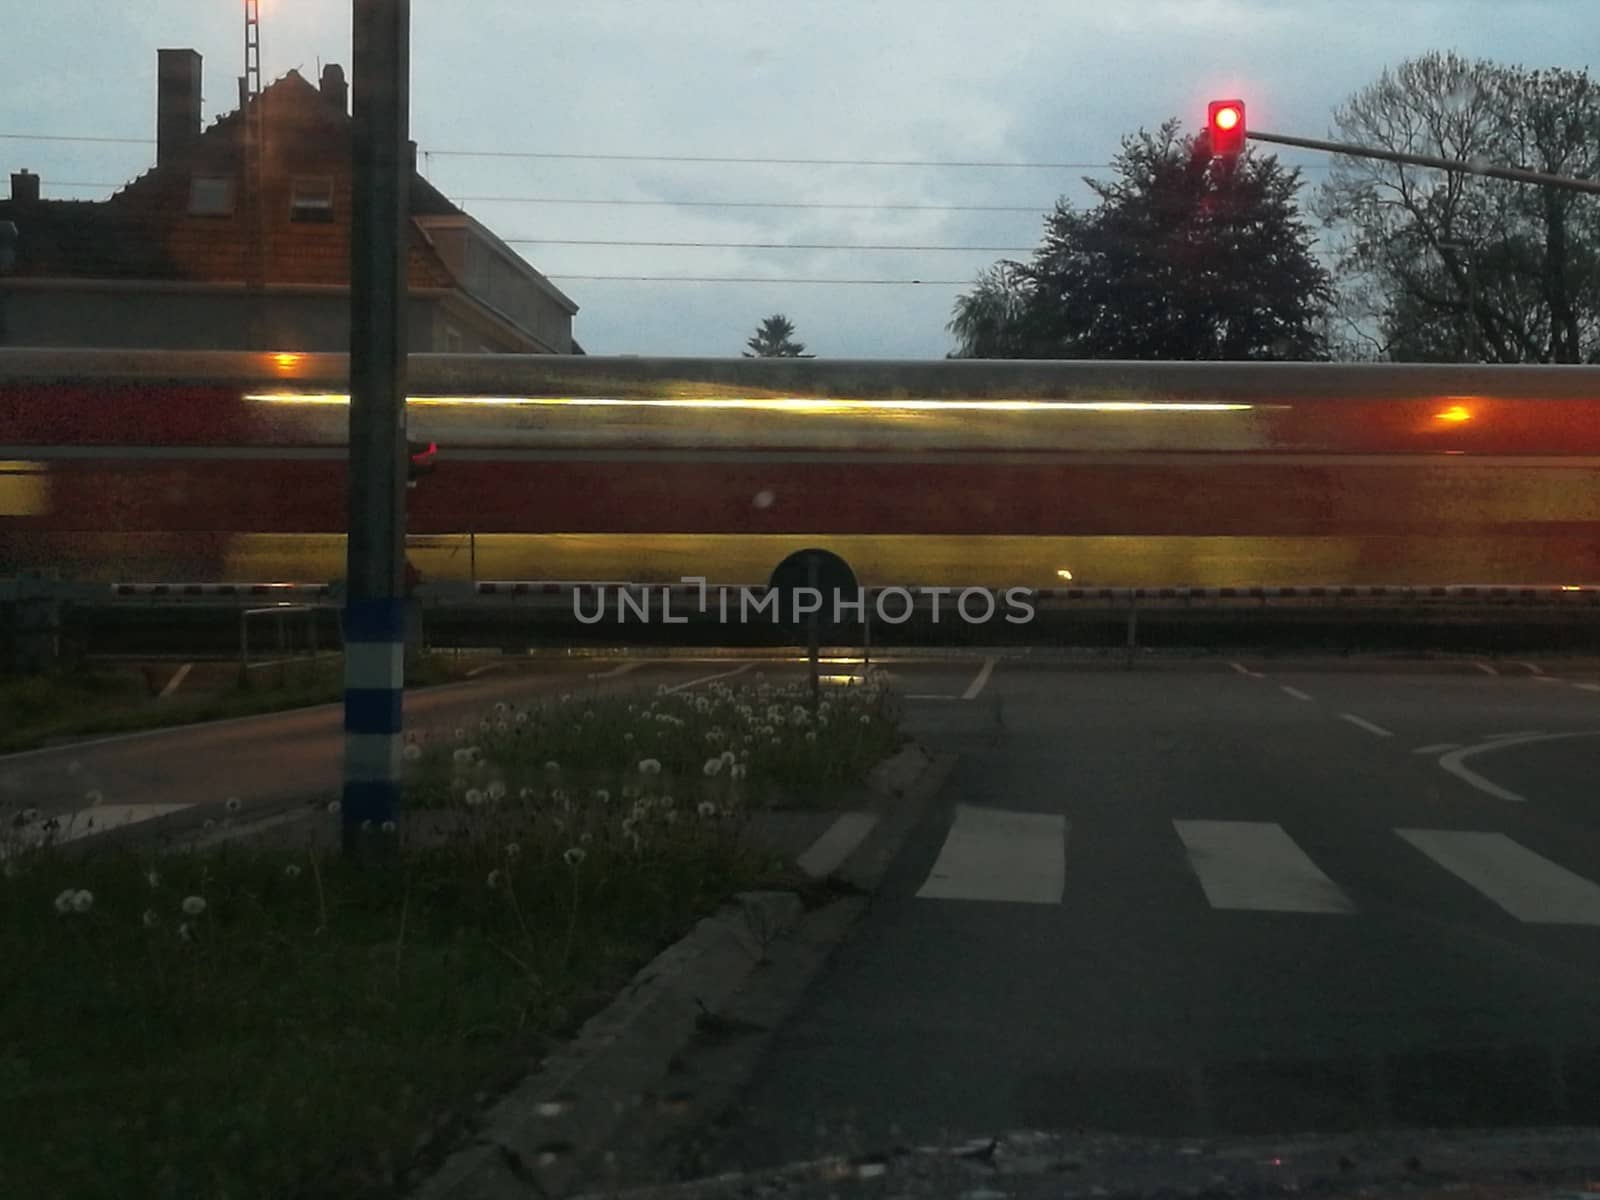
(311, 199)
(211, 196)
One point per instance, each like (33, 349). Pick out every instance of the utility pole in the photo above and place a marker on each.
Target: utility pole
(375, 612)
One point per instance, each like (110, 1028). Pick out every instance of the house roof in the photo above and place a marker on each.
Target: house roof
(145, 229)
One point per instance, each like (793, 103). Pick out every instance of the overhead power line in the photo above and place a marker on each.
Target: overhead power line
(526, 241)
(1011, 208)
(769, 279)
(719, 159)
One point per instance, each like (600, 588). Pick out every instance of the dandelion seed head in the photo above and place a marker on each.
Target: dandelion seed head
(193, 906)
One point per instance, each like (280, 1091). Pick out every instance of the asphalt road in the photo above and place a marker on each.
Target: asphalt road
(1216, 899)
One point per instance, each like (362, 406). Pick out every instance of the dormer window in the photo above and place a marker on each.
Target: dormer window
(211, 196)
(311, 199)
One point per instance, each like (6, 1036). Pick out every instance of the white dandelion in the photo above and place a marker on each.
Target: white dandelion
(232, 804)
(412, 752)
(64, 900)
(193, 906)
(573, 856)
(474, 797)
(150, 919)
(292, 871)
(513, 850)
(713, 766)
(706, 809)
(496, 878)
(649, 766)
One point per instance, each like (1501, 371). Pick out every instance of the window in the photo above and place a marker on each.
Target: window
(211, 196)
(311, 200)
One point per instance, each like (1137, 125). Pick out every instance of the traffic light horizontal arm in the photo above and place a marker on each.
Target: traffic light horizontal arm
(1515, 174)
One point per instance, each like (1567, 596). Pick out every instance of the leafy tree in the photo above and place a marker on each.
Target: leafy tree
(1444, 266)
(1183, 257)
(774, 338)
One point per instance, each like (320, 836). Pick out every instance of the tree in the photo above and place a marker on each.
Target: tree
(1442, 266)
(774, 338)
(1183, 257)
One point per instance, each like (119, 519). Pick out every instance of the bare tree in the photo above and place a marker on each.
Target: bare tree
(1443, 266)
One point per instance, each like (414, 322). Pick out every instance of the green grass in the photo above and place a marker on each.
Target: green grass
(327, 1028)
(38, 709)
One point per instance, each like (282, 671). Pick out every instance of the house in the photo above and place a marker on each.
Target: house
(172, 260)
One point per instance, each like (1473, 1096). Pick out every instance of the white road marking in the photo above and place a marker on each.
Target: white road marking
(1255, 866)
(1244, 670)
(977, 684)
(176, 681)
(89, 821)
(930, 696)
(1587, 687)
(1453, 762)
(1521, 733)
(1486, 668)
(708, 678)
(1293, 691)
(993, 854)
(830, 850)
(1360, 723)
(1437, 748)
(1533, 668)
(1545, 679)
(1527, 885)
(622, 669)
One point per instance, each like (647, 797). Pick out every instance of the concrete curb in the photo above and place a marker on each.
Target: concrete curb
(552, 1125)
(674, 1049)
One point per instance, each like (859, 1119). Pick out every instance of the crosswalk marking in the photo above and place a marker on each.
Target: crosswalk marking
(1256, 866)
(997, 855)
(1528, 886)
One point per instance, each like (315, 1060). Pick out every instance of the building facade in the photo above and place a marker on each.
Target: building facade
(216, 247)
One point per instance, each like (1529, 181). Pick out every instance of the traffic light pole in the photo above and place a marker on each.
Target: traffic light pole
(375, 613)
(1515, 174)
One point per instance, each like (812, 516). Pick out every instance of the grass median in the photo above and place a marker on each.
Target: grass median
(267, 1019)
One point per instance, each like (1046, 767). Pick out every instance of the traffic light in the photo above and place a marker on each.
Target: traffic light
(1225, 127)
(421, 461)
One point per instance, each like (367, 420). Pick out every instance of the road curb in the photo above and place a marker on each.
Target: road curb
(552, 1125)
(681, 1039)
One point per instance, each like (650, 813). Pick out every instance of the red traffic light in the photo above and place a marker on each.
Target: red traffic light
(421, 463)
(1225, 127)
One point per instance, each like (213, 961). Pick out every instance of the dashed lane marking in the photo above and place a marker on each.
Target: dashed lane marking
(1361, 723)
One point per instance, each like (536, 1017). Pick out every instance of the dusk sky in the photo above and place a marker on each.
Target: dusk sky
(927, 80)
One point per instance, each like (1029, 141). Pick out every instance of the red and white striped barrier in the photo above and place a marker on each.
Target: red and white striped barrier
(556, 588)
(221, 589)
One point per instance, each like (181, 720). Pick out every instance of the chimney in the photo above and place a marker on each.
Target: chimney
(177, 104)
(334, 88)
(24, 187)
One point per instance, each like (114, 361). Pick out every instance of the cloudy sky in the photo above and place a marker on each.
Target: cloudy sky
(940, 81)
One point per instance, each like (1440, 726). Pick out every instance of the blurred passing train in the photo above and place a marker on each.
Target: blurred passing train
(231, 467)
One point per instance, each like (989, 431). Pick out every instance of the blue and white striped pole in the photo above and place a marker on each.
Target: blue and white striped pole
(375, 614)
(374, 685)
